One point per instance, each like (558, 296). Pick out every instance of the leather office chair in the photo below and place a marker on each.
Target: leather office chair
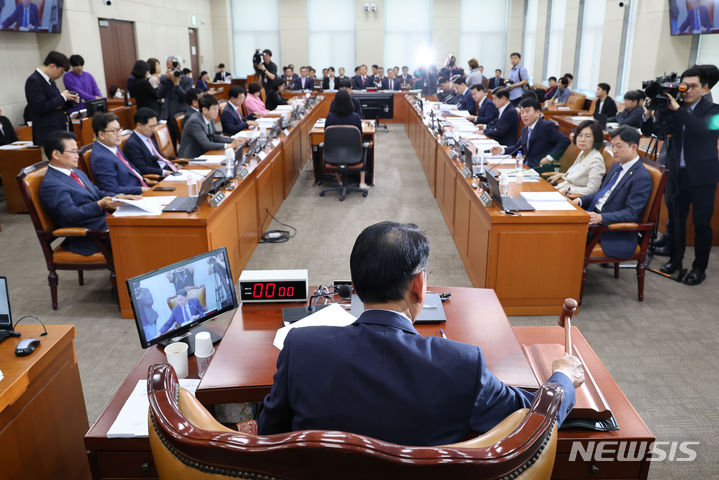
(188, 443)
(343, 152)
(24, 133)
(594, 252)
(576, 101)
(58, 258)
(164, 141)
(192, 292)
(180, 119)
(85, 153)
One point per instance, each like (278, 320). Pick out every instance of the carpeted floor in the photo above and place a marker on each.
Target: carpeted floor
(662, 352)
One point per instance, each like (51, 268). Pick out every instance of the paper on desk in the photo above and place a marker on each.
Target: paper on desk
(144, 206)
(249, 134)
(460, 113)
(208, 159)
(186, 174)
(332, 316)
(581, 118)
(547, 201)
(132, 419)
(12, 146)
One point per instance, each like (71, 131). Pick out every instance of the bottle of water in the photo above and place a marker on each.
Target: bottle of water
(519, 165)
(503, 184)
(230, 161)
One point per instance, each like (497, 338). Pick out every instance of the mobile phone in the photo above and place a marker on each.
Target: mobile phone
(164, 189)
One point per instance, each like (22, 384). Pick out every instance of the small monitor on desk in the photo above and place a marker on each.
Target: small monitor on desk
(96, 105)
(171, 303)
(5, 317)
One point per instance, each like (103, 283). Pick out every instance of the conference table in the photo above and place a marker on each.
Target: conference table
(242, 368)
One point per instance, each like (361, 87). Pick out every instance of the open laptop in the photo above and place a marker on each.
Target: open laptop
(512, 204)
(6, 328)
(189, 204)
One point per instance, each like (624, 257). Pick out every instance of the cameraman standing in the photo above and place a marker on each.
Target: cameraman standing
(693, 171)
(267, 70)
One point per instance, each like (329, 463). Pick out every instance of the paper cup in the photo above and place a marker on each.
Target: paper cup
(203, 345)
(176, 354)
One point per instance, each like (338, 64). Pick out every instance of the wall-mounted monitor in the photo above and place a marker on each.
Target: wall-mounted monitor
(31, 16)
(693, 17)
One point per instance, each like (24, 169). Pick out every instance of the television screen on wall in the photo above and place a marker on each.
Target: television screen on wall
(34, 16)
(693, 17)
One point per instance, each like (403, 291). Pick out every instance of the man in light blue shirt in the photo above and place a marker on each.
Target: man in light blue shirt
(561, 96)
(518, 77)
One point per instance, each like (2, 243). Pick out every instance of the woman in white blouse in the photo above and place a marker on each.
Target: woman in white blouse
(585, 175)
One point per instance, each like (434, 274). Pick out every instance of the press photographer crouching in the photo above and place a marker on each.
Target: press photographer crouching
(693, 166)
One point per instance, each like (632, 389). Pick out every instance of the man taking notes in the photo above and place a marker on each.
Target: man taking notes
(199, 134)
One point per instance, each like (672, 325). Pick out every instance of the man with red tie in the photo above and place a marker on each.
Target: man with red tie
(231, 116)
(111, 170)
(69, 197)
(361, 81)
(140, 148)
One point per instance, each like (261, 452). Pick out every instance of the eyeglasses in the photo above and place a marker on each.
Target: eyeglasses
(114, 130)
(618, 146)
(72, 152)
(585, 135)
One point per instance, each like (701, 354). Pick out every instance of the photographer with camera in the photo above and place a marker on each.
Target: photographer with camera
(450, 69)
(265, 68)
(173, 93)
(693, 165)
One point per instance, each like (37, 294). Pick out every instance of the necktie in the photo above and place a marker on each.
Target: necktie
(391, 84)
(604, 190)
(209, 130)
(134, 172)
(697, 24)
(186, 311)
(169, 164)
(25, 16)
(77, 179)
(529, 135)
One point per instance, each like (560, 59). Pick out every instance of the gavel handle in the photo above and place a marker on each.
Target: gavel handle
(568, 336)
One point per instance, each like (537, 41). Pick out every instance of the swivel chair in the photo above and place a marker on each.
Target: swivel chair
(343, 153)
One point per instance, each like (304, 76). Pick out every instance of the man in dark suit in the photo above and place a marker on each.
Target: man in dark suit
(378, 376)
(361, 81)
(231, 116)
(111, 170)
(347, 85)
(25, 17)
(605, 104)
(405, 79)
(496, 81)
(69, 197)
(541, 141)
(446, 93)
(289, 77)
(221, 75)
(623, 195)
(391, 82)
(632, 113)
(693, 172)
(7, 131)
(330, 82)
(466, 102)
(487, 110)
(186, 311)
(199, 134)
(697, 19)
(304, 82)
(504, 128)
(141, 149)
(341, 75)
(46, 103)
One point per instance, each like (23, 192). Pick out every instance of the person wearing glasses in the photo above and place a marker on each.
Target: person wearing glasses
(585, 175)
(69, 196)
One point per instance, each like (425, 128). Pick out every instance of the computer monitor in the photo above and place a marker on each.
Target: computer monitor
(171, 303)
(5, 317)
(96, 105)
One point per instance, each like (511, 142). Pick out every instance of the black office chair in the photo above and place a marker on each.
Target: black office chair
(343, 153)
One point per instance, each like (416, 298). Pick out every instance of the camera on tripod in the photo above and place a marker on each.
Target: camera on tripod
(656, 91)
(256, 57)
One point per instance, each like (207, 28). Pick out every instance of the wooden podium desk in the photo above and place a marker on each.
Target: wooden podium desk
(245, 359)
(42, 409)
(11, 162)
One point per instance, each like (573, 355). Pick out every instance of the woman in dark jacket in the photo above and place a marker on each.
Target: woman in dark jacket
(342, 113)
(140, 87)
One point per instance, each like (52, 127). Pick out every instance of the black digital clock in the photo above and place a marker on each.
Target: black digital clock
(273, 286)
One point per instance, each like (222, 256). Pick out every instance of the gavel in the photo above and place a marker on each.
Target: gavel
(565, 320)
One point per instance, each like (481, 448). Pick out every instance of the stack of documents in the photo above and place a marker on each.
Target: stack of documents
(332, 316)
(580, 118)
(528, 175)
(16, 145)
(185, 175)
(547, 200)
(145, 206)
(249, 134)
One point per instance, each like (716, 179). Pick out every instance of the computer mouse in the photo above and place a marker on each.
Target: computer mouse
(26, 346)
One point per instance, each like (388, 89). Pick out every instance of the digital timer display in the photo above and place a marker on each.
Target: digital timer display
(279, 291)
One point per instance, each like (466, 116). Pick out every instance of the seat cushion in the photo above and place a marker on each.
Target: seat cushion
(60, 255)
(598, 251)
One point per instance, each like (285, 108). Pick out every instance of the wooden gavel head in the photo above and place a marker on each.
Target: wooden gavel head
(568, 309)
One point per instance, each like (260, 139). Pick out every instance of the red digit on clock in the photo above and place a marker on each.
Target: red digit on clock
(270, 292)
(281, 292)
(258, 286)
(290, 291)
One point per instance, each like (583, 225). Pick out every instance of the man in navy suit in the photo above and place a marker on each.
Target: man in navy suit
(186, 311)
(69, 197)
(304, 82)
(504, 128)
(697, 19)
(361, 81)
(25, 17)
(693, 171)
(391, 82)
(47, 105)
(487, 110)
(111, 170)
(378, 376)
(623, 195)
(466, 102)
(231, 119)
(141, 149)
(541, 141)
(496, 81)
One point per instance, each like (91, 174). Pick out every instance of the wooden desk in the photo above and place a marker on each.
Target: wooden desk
(533, 260)
(11, 162)
(42, 409)
(553, 111)
(244, 364)
(317, 136)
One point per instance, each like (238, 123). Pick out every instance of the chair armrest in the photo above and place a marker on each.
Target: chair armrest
(247, 426)
(181, 161)
(70, 232)
(623, 226)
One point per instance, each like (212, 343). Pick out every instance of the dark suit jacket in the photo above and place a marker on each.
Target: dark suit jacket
(17, 17)
(352, 119)
(309, 84)
(231, 120)
(632, 117)
(326, 83)
(195, 139)
(140, 157)
(609, 108)
(8, 135)
(47, 107)
(688, 23)
(493, 83)
(699, 139)
(625, 204)
(71, 205)
(380, 377)
(487, 112)
(145, 95)
(111, 174)
(174, 96)
(178, 317)
(358, 84)
(504, 128)
(397, 84)
(274, 98)
(546, 140)
(220, 77)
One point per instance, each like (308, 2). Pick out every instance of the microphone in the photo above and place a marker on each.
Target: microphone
(344, 291)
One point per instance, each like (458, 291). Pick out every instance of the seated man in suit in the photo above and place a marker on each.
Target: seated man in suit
(69, 197)
(304, 82)
(605, 104)
(141, 149)
(504, 128)
(361, 81)
(379, 376)
(466, 102)
(186, 311)
(623, 195)
(7, 131)
(632, 113)
(561, 96)
(553, 87)
(445, 92)
(347, 86)
(25, 17)
(541, 141)
(221, 75)
(330, 82)
(391, 82)
(199, 134)
(111, 170)
(192, 95)
(487, 110)
(231, 116)
(405, 79)
(496, 81)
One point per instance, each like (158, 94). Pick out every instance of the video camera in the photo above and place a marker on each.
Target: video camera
(656, 89)
(257, 57)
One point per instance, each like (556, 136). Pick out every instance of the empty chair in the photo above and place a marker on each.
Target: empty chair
(344, 153)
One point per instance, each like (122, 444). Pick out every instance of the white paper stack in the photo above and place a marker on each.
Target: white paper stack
(332, 316)
(547, 200)
(151, 206)
(185, 174)
(249, 134)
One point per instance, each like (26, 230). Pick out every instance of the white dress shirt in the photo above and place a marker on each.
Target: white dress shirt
(624, 169)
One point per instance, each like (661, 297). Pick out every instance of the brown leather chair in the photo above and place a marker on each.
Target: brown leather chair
(85, 153)
(164, 141)
(180, 119)
(58, 258)
(594, 252)
(576, 101)
(263, 96)
(192, 292)
(187, 442)
(24, 133)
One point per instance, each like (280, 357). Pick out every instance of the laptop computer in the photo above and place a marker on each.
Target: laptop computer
(432, 311)
(189, 204)
(505, 202)
(6, 328)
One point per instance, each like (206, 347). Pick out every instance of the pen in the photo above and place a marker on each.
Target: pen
(442, 333)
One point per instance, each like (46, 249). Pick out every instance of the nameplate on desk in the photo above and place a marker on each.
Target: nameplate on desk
(275, 142)
(262, 155)
(286, 132)
(466, 172)
(243, 173)
(485, 198)
(217, 199)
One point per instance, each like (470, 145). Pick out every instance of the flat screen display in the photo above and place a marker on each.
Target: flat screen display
(172, 300)
(31, 16)
(692, 17)
(5, 318)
